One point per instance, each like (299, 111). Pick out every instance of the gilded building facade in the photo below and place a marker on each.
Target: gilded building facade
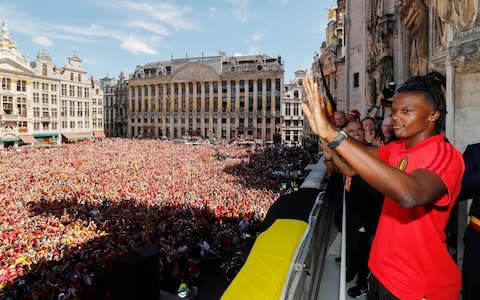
(41, 103)
(221, 97)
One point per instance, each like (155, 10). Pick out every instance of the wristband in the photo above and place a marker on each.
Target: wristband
(340, 137)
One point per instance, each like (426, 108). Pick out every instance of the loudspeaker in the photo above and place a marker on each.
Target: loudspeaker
(136, 275)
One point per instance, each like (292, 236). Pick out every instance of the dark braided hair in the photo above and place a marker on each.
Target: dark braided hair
(432, 86)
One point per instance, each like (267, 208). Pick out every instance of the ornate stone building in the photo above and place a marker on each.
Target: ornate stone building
(218, 97)
(292, 114)
(41, 103)
(116, 105)
(332, 57)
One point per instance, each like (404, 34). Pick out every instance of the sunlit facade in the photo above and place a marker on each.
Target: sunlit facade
(292, 120)
(42, 103)
(217, 97)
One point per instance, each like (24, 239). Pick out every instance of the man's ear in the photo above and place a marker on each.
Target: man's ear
(434, 116)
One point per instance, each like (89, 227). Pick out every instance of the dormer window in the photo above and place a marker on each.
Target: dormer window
(71, 76)
(44, 70)
(79, 78)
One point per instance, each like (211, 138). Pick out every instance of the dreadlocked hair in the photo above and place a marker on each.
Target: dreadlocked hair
(432, 86)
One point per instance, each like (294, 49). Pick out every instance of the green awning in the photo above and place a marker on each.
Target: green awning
(48, 134)
(9, 139)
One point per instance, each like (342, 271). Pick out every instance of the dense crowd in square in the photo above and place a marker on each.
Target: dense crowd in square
(68, 212)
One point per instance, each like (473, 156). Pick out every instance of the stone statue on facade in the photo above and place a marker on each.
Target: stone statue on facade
(5, 32)
(461, 14)
(379, 8)
(415, 17)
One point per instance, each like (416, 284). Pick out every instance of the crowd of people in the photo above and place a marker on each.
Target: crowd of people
(69, 212)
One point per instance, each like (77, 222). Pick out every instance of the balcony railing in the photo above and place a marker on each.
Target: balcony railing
(8, 117)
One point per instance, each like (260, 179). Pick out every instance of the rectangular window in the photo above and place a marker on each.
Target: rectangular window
(53, 99)
(269, 85)
(207, 88)
(6, 82)
(22, 106)
(259, 85)
(64, 109)
(36, 112)
(8, 105)
(71, 91)
(72, 124)
(45, 112)
(64, 90)
(36, 98)
(232, 104)
(250, 86)
(356, 80)
(72, 109)
(21, 86)
(45, 99)
(36, 126)
(79, 109)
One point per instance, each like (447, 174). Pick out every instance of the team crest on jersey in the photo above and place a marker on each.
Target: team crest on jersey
(402, 164)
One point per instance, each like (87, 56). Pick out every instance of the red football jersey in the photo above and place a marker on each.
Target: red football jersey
(409, 254)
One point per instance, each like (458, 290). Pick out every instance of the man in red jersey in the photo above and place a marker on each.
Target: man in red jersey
(420, 176)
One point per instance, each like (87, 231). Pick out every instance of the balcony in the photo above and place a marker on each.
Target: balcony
(8, 117)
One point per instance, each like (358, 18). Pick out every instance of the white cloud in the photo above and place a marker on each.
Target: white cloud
(92, 30)
(136, 46)
(212, 11)
(42, 41)
(171, 15)
(241, 10)
(148, 26)
(256, 37)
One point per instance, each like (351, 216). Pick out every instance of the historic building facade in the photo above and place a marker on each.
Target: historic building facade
(217, 97)
(42, 103)
(115, 93)
(292, 114)
(331, 59)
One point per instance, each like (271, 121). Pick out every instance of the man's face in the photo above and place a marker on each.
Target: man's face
(369, 125)
(340, 119)
(387, 129)
(356, 131)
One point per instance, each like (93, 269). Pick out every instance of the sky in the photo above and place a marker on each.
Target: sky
(113, 36)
